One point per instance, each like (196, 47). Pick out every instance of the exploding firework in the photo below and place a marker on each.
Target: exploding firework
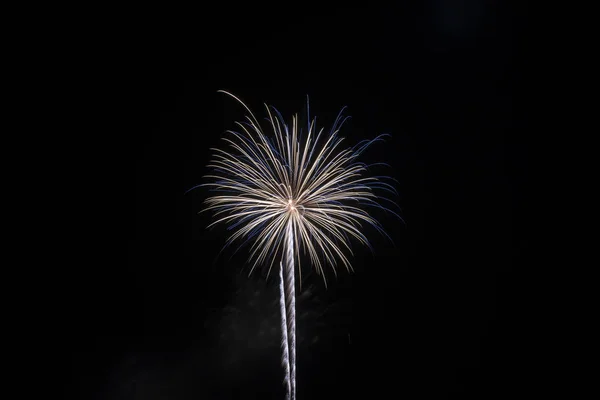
(290, 194)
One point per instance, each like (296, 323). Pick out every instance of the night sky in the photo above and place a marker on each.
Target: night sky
(157, 313)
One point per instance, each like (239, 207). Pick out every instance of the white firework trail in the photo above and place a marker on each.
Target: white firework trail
(285, 350)
(288, 194)
(290, 300)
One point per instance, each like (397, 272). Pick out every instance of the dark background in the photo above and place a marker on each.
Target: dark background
(156, 314)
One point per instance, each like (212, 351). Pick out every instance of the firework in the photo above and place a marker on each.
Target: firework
(291, 192)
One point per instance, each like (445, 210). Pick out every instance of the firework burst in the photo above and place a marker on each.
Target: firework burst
(293, 193)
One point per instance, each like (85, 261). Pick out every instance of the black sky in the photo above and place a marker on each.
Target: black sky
(155, 314)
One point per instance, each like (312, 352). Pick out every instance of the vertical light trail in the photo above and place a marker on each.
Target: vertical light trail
(285, 360)
(290, 297)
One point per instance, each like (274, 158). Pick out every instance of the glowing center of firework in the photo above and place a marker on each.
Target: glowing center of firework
(291, 205)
